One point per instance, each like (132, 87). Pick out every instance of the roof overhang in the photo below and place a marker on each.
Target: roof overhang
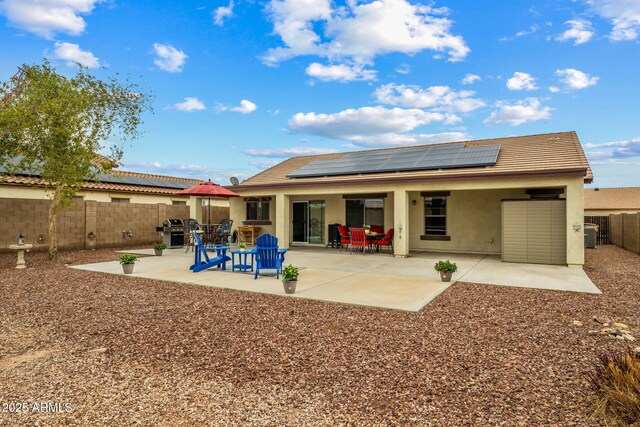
(296, 183)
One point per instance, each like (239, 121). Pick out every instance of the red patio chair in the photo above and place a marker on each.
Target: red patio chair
(358, 239)
(345, 241)
(377, 229)
(387, 240)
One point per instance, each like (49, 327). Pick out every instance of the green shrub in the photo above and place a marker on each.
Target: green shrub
(128, 259)
(289, 273)
(159, 246)
(616, 381)
(446, 266)
(242, 245)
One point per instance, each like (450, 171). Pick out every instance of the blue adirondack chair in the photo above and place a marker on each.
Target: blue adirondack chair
(202, 260)
(268, 256)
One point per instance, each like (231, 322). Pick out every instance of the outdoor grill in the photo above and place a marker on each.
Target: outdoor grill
(173, 233)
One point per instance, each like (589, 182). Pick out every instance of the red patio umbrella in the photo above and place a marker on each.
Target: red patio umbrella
(208, 189)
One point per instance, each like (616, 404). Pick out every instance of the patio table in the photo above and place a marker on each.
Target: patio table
(371, 236)
(243, 264)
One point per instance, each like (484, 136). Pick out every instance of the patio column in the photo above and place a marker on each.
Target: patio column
(575, 219)
(282, 220)
(401, 223)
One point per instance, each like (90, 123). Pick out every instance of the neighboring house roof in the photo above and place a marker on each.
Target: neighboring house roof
(626, 198)
(148, 184)
(552, 154)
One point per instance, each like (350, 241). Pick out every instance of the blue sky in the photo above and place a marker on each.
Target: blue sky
(241, 85)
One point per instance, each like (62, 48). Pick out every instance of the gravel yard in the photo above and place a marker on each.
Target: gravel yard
(122, 350)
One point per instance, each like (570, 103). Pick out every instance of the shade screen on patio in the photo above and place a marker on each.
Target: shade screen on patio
(445, 156)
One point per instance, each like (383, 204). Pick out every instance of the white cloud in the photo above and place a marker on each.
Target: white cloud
(436, 97)
(523, 111)
(222, 13)
(342, 72)
(522, 81)
(375, 126)
(576, 79)
(403, 69)
(360, 30)
(470, 79)
(48, 17)
(265, 164)
(289, 152)
(218, 175)
(614, 149)
(189, 105)
(72, 54)
(579, 31)
(533, 29)
(623, 14)
(245, 107)
(168, 58)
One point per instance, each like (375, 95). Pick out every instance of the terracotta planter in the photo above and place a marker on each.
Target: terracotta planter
(127, 268)
(289, 286)
(445, 276)
(158, 252)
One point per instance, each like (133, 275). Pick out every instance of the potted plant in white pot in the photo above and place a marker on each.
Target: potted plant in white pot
(242, 246)
(159, 248)
(446, 268)
(289, 279)
(127, 261)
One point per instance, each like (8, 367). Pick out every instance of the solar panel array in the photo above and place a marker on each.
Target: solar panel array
(444, 156)
(140, 181)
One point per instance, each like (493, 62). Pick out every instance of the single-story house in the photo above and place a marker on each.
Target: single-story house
(118, 186)
(520, 197)
(607, 201)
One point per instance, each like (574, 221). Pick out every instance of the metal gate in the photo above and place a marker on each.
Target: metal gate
(604, 227)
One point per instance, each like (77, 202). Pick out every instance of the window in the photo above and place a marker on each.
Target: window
(435, 216)
(178, 202)
(119, 200)
(258, 209)
(361, 212)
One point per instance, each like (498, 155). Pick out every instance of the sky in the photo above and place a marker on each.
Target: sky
(240, 85)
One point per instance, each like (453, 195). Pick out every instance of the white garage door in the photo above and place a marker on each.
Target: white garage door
(534, 231)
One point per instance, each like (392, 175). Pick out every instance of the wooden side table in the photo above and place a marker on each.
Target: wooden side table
(20, 248)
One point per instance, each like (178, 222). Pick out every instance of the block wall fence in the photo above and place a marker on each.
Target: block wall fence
(84, 224)
(625, 231)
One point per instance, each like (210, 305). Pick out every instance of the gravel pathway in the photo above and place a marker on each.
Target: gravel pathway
(124, 351)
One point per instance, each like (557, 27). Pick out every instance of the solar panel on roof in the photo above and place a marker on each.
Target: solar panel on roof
(416, 158)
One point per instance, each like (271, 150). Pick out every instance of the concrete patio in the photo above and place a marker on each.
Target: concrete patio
(377, 280)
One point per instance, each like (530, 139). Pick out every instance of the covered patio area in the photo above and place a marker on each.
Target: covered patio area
(377, 280)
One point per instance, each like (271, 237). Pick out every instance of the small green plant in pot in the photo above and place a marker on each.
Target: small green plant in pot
(159, 247)
(128, 261)
(446, 268)
(290, 278)
(242, 246)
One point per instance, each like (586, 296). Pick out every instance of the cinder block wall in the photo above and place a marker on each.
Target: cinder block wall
(625, 231)
(631, 229)
(616, 230)
(217, 214)
(105, 220)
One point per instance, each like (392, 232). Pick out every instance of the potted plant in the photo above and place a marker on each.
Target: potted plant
(289, 279)
(242, 246)
(127, 261)
(446, 268)
(159, 247)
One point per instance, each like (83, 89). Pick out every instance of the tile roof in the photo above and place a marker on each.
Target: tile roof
(106, 186)
(532, 155)
(626, 198)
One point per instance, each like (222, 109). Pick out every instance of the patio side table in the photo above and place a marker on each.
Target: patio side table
(243, 263)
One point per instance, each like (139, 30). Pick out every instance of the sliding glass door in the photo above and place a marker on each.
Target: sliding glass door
(308, 222)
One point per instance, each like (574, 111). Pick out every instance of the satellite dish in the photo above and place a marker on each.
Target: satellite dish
(234, 180)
